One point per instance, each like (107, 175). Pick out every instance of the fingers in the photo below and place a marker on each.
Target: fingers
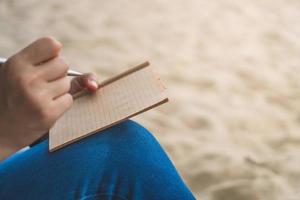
(62, 104)
(41, 50)
(59, 87)
(53, 69)
(87, 81)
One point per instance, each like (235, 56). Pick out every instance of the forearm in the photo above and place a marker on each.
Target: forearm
(9, 143)
(5, 150)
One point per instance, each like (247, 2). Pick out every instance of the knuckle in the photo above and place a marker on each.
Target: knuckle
(34, 101)
(45, 115)
(62, 64)
(50, 42)
(67, 84)
(20, 76)
(36, 109)
(65, 105)
(14, 61)
(27, 80)
(68, 100)
(22, 80)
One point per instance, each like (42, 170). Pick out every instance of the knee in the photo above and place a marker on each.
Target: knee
(126, 153)
(128, 135)
(129, 142)
(122, 144)
(134, 152)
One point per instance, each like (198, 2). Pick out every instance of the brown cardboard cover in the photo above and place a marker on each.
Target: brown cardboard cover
(118, 98)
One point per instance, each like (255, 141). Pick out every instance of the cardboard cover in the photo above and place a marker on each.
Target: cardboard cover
(118, 98)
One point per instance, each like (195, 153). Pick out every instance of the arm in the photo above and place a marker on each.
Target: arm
(34, 93)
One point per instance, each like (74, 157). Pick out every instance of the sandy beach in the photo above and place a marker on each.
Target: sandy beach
(232, 68)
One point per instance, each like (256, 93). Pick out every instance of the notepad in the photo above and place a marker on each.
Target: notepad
(117, 99)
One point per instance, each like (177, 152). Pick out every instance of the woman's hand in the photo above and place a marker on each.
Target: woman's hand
(34, 93)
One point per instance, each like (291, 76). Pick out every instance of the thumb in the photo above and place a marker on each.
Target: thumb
(87, 81)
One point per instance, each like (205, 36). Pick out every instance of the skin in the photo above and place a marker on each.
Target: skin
(34, 93)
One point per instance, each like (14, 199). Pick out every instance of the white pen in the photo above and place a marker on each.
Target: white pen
(70, 72)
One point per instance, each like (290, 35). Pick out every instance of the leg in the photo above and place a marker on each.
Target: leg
(122, 162)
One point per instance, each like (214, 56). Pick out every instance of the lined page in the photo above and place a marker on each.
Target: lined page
(134, 93)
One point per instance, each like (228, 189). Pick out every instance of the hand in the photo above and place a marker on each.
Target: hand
(34, 93)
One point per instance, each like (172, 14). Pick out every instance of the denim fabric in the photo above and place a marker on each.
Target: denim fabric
(120, 163)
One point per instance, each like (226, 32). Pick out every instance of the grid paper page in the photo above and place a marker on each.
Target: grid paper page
(119, 100)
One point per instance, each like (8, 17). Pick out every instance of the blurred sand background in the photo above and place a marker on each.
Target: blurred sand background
(232, 67)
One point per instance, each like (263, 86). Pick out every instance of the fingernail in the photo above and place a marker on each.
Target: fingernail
(94, 83)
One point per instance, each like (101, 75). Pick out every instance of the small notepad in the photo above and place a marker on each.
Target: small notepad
(119, 98)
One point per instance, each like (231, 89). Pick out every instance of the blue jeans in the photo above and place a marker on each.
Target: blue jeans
(122, 162)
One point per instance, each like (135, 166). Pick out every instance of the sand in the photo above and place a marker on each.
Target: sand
(232, 68)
